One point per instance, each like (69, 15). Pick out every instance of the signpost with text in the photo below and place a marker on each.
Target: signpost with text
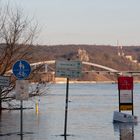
(21, 69)
(68, 69)
(125, 87)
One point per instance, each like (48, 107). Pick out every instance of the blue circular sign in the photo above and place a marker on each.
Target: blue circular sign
(21, 69)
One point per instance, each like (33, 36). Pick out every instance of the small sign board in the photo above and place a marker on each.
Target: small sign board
(125, 96)
(21, 69)
(126, 107)
(69, 64)
(125, 83)
(68, 69)
(4, 81)
(22, 90)
(69, 74)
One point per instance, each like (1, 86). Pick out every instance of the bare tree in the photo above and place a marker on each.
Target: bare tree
(17, 34)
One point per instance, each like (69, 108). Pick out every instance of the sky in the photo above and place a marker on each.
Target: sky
(100, 22)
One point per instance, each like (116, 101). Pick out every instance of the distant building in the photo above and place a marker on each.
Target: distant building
(83, 55)
(121, 53)
(120, 49)
(129, 57)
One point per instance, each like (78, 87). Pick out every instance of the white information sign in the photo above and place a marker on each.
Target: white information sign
(71, 64)
(125, 96)
(68, 69)
(22, 90)
(4, 81)
(69, 74)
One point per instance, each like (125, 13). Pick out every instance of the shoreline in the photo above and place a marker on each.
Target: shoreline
(85, 82)
(94, 82)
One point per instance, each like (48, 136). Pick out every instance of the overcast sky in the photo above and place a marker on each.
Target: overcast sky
(85, 21)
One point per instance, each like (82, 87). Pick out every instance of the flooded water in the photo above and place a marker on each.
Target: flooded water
(90, 115)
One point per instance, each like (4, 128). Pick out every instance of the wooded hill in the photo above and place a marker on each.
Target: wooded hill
(100, 54)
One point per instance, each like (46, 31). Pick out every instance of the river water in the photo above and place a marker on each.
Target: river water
(90, 115)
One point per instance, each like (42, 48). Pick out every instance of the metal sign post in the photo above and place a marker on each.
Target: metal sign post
(125, 87)
(21, 118)
(66, 107)
(21, 69)
(68, 69)
(21, 94)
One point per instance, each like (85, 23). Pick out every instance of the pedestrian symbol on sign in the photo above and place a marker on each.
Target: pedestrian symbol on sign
(21, 69)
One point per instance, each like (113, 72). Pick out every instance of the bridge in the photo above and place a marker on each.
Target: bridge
(83, 62)
(105, 69)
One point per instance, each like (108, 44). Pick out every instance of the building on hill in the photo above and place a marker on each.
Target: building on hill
(83, 55)
(120, 50)
(129, 57)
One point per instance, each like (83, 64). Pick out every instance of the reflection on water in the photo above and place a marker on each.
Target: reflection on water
(126, 130)
(90, 115)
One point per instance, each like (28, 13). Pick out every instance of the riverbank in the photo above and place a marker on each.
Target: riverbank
(82, 82)
(86, 82)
